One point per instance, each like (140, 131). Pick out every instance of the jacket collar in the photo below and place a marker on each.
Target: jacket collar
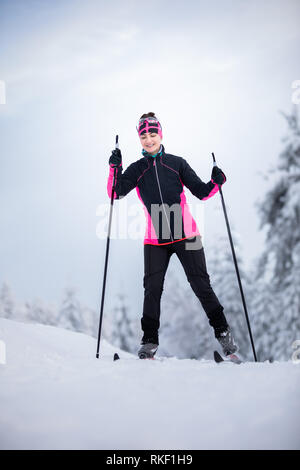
(158, 154)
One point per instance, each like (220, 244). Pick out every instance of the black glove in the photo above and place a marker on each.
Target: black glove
(218, 176)
(115, 158)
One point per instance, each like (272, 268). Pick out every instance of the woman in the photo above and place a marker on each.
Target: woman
(159, 179)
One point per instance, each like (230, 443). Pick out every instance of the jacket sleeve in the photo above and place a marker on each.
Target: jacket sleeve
(124, 183)
(197, 187)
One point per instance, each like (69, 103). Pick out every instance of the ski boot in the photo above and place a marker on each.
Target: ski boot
(226, 340)
(148, 348)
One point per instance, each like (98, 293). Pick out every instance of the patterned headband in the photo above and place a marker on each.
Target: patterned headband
(149, 124)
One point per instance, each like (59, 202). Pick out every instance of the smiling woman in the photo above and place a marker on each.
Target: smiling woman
(159, 179)
(150, 133)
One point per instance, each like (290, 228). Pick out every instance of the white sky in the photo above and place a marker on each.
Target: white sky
(76, 73)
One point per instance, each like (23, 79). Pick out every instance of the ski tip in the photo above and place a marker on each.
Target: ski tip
(217, 357)
(116, 356)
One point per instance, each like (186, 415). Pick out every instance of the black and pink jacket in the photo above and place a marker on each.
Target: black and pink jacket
(159, 182)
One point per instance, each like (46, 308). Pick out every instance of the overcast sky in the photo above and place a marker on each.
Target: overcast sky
(77, 73)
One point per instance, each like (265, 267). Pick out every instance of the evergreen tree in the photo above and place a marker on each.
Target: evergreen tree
(225, 284)
(123, 329)
(279, 265)
(265, 305)
(90, 321)
(7, 302)
(70, 314)
(184, 330)
(38, 312)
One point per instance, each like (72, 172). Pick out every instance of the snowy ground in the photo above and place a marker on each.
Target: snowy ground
(55, 394)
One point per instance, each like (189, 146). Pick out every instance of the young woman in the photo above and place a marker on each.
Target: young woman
(159, 179)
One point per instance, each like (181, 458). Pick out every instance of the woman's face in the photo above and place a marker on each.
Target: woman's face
(150, 142)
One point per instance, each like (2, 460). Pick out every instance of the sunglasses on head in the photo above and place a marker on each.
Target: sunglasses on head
(149, 119)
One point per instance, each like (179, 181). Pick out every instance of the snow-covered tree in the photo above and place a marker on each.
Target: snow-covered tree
(7, 302)
(38, 311)
(90, 321)
(265, 305)
(225, 284)
(70, 314)
(123, 328)
(184, 331)
(279, 265)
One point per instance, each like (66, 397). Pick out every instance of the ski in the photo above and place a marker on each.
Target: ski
(231, 358)
(117, 357)
(217, 357)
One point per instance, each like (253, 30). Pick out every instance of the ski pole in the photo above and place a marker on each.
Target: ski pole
(107, 251)
(236, 266)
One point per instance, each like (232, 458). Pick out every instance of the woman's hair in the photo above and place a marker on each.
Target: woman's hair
(147, 115)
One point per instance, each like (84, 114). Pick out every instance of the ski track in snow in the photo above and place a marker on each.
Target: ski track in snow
(55, 394)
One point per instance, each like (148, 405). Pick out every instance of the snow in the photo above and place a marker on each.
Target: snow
(55, 394)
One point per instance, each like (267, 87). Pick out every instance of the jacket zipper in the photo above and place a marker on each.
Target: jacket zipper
(161, 198)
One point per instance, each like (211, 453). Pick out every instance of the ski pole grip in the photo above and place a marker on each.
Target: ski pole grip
(117, 141)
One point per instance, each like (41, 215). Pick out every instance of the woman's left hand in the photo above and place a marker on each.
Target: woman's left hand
(218, 176)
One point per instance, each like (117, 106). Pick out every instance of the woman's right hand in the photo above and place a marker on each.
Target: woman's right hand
(115, 158)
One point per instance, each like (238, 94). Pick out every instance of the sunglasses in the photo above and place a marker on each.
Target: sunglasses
(149, 119)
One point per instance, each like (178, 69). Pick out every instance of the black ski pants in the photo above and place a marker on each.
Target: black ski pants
(156, 261)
